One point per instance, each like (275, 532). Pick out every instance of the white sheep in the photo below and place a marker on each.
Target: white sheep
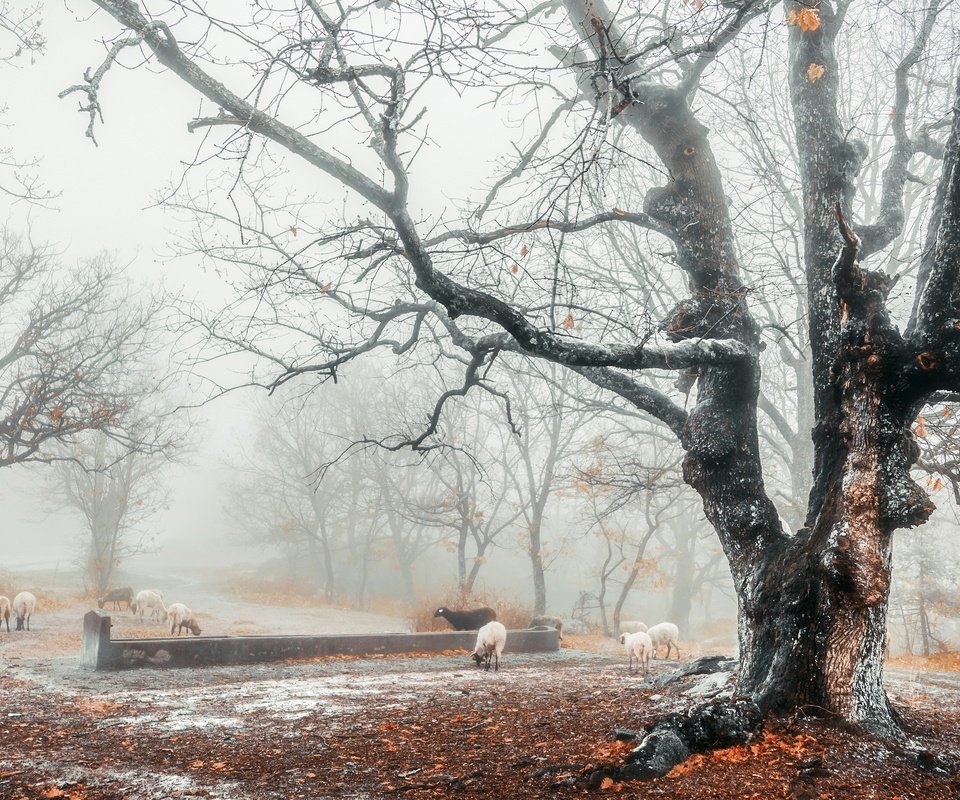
(5, 611)
(632, 626)
(180, 617)
(152, 600)
(665, 633)
(491, 639)
(24, 604)
(638, 645)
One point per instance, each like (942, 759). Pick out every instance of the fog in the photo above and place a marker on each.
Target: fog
(230, 492)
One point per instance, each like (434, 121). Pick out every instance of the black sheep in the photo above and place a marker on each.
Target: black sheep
(467, 620)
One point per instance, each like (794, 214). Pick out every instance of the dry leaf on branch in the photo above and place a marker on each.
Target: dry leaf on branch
(807, 19)
(568, 323)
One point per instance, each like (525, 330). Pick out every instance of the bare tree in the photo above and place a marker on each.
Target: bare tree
(69, 343)
(115, 491)
(480, 503)
(275, 501)
(813, 603)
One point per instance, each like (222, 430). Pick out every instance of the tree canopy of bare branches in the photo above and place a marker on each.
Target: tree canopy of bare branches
(615, 200)
(70, 344)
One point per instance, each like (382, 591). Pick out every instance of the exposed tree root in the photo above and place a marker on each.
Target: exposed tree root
(723, 723)
(713, 725)
(701, 666)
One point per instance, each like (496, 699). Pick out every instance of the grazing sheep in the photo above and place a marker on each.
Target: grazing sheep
(24, 605)
(180, 617)
(491, 639)
(665, 633)
(549, 622)
(5, 611)
(632, 626)
(638, 645)
(467, 620)
(117, 596)
(152, 600)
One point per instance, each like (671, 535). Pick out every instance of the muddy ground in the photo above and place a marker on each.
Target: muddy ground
(410, 726)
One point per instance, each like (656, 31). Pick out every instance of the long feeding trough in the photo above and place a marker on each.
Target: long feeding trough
(99, 652)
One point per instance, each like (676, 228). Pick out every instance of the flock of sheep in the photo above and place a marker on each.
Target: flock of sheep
(22, 607)
(639, 641)
(150, 601)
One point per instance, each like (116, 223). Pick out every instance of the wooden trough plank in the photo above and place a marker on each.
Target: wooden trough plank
(99, 652)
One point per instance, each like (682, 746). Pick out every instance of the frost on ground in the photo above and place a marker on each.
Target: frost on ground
(421, 727)
(413, 726)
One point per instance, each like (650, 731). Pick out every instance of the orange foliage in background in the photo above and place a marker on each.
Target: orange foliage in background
(944, 662)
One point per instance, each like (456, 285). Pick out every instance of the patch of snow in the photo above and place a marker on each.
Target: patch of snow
(714, 685)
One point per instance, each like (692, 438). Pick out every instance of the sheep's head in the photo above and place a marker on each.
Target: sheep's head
(101, 601)
(623, 638)
(194, 627)
(478, 658)
(440, 612)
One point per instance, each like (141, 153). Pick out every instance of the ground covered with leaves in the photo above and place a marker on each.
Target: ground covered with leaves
(427, 727)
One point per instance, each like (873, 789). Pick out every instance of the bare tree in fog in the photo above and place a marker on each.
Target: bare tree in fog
(376, 507)
(116, 491)
(275, 500)
(476, 473)
(68, 341)
(625, 505)
(639, 92)
(927, 590)
(549, 435)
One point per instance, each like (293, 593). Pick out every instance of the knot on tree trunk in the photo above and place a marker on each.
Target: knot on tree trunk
(710, 434)
(718, 314)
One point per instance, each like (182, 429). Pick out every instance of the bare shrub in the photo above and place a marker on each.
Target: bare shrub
(513, 614)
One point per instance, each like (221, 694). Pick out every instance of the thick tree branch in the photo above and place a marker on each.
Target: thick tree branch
(935, 301)
(645, 398)
(889, 222)
(169, 54)
(641, 220)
